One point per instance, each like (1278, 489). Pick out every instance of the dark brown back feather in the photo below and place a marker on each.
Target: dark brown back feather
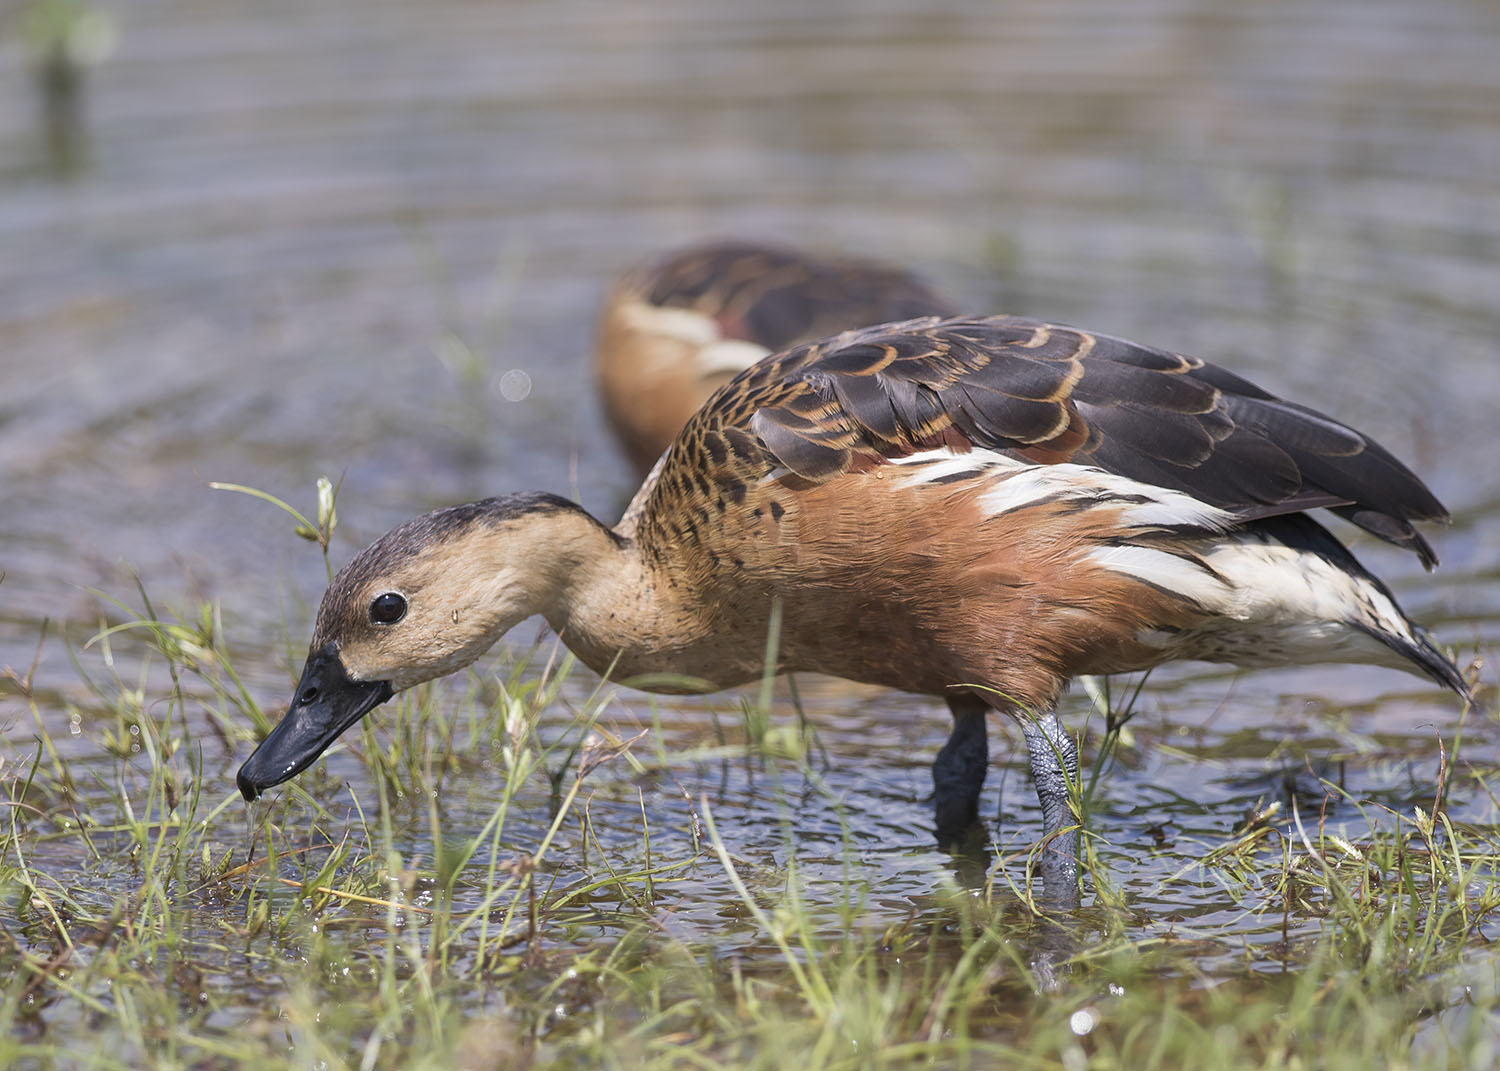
(1047, 394)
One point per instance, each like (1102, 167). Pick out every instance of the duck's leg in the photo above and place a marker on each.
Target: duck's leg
(1054, 764)
(958, 772)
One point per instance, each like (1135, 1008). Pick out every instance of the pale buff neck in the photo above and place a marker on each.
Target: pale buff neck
(620, 613)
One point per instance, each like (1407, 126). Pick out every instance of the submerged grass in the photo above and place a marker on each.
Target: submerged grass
(513, 872)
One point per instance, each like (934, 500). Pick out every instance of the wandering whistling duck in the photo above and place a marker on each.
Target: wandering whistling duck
(975, 509)
(676, 330)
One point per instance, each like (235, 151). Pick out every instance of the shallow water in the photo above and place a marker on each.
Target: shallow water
(301, 241)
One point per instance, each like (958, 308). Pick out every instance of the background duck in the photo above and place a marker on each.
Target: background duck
(674, 331)
(976, 509)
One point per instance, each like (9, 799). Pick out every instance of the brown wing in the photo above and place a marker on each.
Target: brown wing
(1046, 394)
(777, 297)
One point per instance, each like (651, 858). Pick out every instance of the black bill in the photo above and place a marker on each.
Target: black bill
(326, 703)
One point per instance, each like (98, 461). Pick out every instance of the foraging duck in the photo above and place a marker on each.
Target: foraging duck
(676, 330)
(978, 509)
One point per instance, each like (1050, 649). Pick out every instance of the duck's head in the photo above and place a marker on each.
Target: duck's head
(427, 598)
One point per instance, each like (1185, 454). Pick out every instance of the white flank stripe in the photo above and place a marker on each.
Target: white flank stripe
(728, 355)
(716, 354)
(1161, 509)
(1167, 572)
(1016, 484)
(1172, 509)
(685, 325)
(930, 465)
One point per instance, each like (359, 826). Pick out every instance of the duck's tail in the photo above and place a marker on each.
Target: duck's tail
(1376, 613)
(1417, 648)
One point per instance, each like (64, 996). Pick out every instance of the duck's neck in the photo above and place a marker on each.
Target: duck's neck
(622, 614)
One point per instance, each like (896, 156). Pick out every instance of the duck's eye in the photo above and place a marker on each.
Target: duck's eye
(387, 609)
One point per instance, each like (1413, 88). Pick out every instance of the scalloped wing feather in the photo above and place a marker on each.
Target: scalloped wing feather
(1050, 394)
